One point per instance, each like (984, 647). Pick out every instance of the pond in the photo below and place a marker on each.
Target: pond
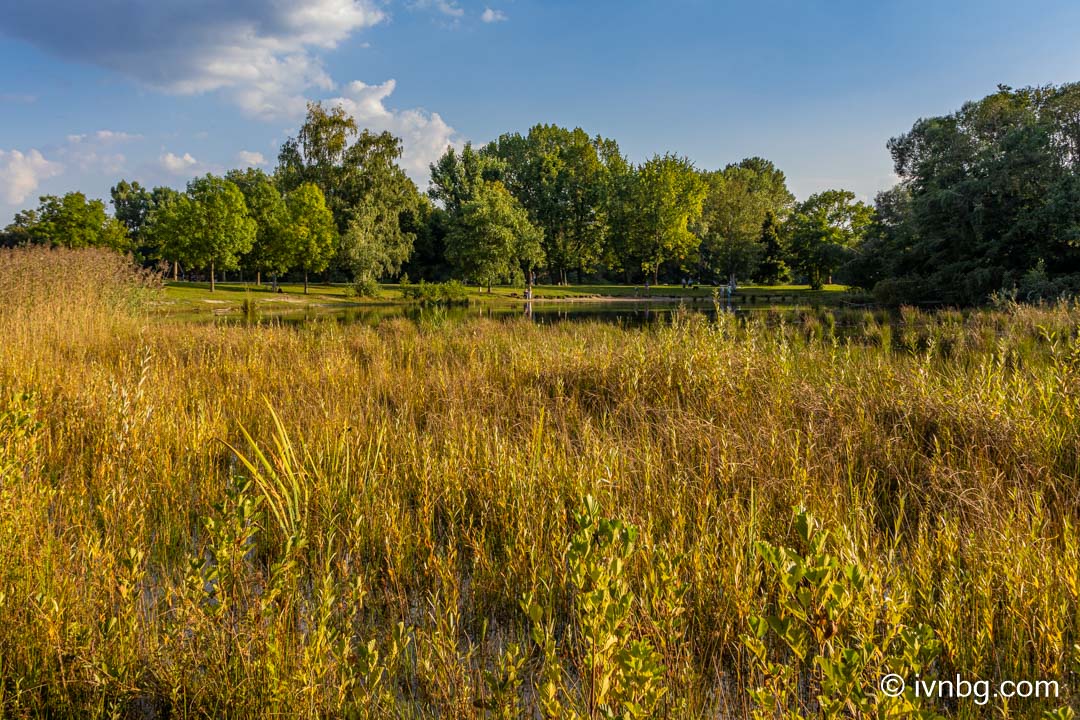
(621, 312)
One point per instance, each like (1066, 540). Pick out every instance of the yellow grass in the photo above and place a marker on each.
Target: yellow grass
(347, 521)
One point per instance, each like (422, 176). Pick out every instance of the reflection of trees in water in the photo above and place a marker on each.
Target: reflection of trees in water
(620, 313)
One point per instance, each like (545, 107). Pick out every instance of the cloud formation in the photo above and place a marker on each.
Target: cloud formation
(21, 173)
(424, 135)
(251, 158)
(493, 16)
(178, 164)
(444, 7)
(259, 53)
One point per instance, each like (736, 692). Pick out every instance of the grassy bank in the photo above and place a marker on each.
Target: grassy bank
(500, 520)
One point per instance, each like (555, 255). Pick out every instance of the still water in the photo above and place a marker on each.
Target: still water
(617, 312)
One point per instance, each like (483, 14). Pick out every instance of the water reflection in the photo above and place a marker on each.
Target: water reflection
(620, 312)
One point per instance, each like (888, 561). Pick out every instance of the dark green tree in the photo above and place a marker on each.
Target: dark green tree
(131, 205)
(988, 194)
(824, 232)
(772, 269)
(491, 239)
(271, 252)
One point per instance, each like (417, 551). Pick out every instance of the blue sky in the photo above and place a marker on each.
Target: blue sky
(162, 91)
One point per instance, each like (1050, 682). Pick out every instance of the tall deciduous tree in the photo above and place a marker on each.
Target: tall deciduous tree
(669, 196)
(355, 170)
(558, 175)
(132, 204)
(458, 177)
(989, 194)
(271, 252)
(492, 239)
(164, 230)
(620, 210)
(771, 269)
(217, 224)
(739, 198)
(824, 232)
(311, 231)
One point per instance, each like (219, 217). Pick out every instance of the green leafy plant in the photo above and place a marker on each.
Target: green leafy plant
(814, 649)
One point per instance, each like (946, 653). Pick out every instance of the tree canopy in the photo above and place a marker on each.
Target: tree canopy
(492, 239)
(989, 199)
(669, 197)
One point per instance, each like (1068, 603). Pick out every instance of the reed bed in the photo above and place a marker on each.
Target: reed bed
(493, 519)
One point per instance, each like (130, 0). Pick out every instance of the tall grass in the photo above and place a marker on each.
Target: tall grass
(497, 519)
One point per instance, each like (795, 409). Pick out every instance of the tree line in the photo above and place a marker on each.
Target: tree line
(988, 200)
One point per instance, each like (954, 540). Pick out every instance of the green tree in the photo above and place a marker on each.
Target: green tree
(17, 233)
(271, 252)
(132, 204)
(558, 176)
(310, 230)
(824, 232)
(739, 198)
(356, 171)
(374, 245)
(319, 154)
(75, 222)
(216, 223)
(771, 269)
(429, 224)
(620, 210)
(989, 194)
(669, 196)
(457, 177)
(164, 229)
(492, 239)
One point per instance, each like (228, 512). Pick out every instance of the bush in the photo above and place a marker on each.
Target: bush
(452, 292)
(366, 288)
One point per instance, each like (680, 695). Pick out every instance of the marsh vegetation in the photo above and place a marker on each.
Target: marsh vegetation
(498, 519)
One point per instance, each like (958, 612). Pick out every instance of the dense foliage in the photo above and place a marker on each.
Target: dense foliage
(989, 199)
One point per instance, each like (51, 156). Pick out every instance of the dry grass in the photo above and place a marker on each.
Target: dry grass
(423, 480)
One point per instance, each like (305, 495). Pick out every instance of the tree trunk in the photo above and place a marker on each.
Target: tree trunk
(656, 274)
(211, 276)
(258, 278)
(174, 270)
(305, 282)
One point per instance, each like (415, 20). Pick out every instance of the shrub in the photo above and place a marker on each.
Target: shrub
(452, 292)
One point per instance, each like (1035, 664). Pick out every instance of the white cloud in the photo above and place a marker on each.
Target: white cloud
(424, 135)
(258, 53)
(177, 164)
(445, 7)
(116, 136)
(493, 16)
(92, 152)
(20, 174)
(251, 158)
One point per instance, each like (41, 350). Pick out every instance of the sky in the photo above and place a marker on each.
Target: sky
(163, 91)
